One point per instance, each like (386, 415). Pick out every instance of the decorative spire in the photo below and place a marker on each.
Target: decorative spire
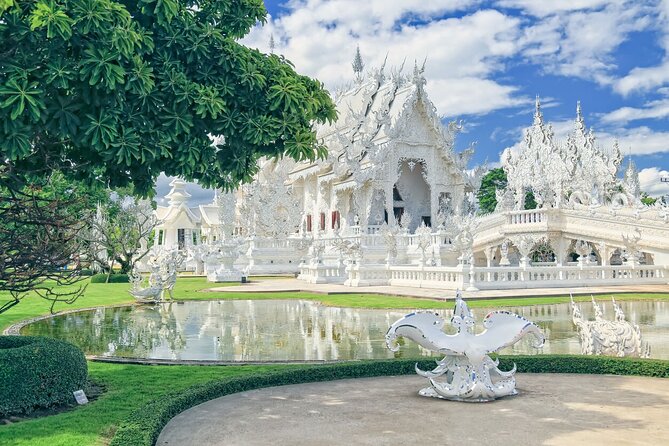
(580, 122)
(418, 77)
(272, 45)
(631, 179)
(178, 194)
(358, 65)
(538, 117)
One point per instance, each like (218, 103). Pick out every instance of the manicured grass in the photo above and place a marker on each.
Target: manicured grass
(190, 288)
(127, 387)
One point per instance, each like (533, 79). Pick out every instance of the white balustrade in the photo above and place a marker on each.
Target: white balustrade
(526, 217)
(564, 276)
(502, 277)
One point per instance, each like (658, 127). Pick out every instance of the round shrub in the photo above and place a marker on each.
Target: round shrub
(38, 372)
(114, 278)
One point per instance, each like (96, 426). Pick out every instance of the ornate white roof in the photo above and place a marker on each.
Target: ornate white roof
(375, 113)
(551, 169)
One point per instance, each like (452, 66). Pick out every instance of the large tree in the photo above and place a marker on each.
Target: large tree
(40, 245)
(118, 91)
(113, 92)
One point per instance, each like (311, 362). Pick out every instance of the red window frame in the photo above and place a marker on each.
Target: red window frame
(336, 219)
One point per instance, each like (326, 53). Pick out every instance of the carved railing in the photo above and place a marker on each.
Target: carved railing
(563, 276)
(428, 277)
(320, 273)
(271, 243)
(526, 217)
(460, 277)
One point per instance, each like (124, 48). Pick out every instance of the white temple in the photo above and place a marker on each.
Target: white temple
(393, 203)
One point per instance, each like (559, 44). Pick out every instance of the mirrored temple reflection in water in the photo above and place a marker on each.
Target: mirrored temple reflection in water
(276, 330)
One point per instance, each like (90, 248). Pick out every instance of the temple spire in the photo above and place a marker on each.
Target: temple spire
(418, 76)
(358, 65)
(580, 122)
(178, 194)
(538, 117)
(631, 178)
(272, 44)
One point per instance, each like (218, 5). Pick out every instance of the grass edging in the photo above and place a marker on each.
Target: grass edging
(143, 425)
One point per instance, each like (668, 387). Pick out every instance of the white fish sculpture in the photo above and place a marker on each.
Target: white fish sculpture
(471, 375)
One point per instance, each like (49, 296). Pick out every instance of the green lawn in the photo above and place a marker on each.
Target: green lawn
(129, 386)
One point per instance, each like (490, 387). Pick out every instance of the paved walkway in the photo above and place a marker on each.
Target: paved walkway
(294, 285)
(550, 410)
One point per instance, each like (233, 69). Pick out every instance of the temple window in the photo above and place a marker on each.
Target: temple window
(309, 225)
(336, 217)
(181, 238)
(321, 226)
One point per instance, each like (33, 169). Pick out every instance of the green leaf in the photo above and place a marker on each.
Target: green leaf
(101, 128)
(49, 15)
(100, 65)
(5, 5)
(19, 95)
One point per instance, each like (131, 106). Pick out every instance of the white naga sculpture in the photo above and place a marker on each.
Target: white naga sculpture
(471, 375)
(610, 338)
(162, 278)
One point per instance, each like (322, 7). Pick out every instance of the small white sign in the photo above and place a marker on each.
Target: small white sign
(80, 396)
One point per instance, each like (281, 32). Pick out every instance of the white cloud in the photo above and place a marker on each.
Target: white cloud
(650, 181)
(320, 37)
(472, 96)
(652, 110)
(638, 140)
(542, 8)
(643, 79)
(574, 40)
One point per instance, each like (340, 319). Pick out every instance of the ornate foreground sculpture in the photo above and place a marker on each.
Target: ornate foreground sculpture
(471, 375)
(162, 278)
(609, 338)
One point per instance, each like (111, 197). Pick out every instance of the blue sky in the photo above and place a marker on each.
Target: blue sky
(486, 61)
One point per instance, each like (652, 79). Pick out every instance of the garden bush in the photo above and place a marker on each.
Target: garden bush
(143, 425)
(114, 278)
(37, 372)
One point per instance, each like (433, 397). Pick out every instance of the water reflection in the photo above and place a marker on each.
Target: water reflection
(248, 330)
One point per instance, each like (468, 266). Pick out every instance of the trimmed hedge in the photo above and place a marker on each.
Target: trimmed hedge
(114, 278)
(37, 372)
(143, 426)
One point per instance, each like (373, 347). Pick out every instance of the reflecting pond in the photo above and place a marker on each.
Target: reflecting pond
(281, 330)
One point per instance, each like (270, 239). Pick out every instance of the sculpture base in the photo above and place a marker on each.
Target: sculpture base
(225, 276)
(431, 393)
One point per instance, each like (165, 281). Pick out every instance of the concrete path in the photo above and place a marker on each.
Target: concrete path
(550, 410)
(294, 285)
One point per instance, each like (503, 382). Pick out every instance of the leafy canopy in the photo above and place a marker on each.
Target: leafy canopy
(118, 90)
